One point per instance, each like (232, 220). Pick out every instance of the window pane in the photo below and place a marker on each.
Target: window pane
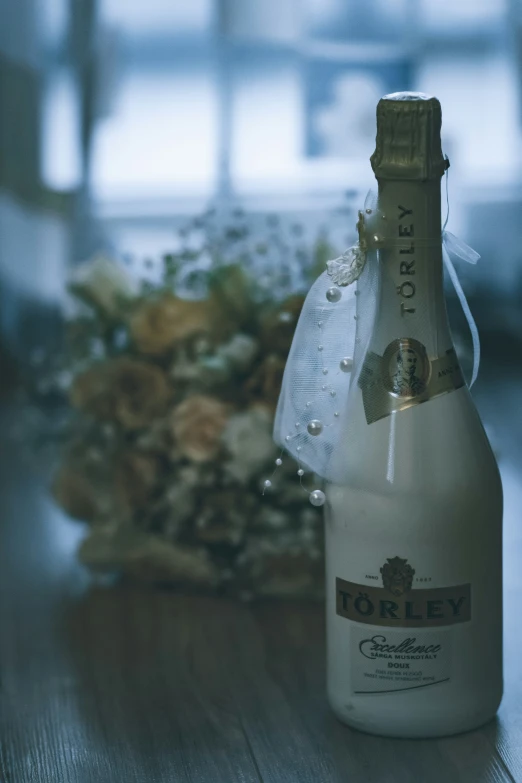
(267, 120)
(352, 20)
(53, 19)
(161, 136)
(341, 101)
(482, 145)
(269, 20)
(454, 18)
(61, 156)
(143, 17)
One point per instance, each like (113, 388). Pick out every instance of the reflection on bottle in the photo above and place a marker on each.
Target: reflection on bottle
(390, 473)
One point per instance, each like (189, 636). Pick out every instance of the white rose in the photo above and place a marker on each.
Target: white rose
(248, 439)
(239, 352)
(103, 283)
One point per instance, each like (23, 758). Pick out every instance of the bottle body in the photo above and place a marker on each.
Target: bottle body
(414, 530)
(442, 514)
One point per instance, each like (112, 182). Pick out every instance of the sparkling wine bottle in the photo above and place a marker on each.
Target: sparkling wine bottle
(414, 527)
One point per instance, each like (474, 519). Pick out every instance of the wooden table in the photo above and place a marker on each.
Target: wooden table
(131, 685)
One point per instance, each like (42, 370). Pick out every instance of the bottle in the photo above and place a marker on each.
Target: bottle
(414, 529)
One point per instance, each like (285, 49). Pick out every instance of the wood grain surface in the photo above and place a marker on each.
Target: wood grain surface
(136, 685)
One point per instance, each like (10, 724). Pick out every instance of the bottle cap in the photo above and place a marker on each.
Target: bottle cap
(408, 137)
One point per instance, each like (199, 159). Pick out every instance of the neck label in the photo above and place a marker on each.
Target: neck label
(404, 376)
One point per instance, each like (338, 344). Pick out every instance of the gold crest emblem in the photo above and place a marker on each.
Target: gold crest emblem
(397, 575)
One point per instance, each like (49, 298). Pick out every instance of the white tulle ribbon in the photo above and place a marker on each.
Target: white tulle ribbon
(452, 245)
(330, 340)
(325, 332)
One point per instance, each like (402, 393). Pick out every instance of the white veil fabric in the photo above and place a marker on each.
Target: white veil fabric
(337, 321)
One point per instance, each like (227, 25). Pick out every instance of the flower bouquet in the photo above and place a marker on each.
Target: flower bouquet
(172, 383)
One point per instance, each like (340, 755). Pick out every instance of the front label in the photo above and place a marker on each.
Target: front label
(397, 605)
(391, 661)
(400, 637)
(416, 609)
(404, 376)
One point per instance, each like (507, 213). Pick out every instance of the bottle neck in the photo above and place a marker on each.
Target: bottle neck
(411, 292)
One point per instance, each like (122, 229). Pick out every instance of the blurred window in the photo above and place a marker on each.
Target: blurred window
(161, 135)
(53, 20)
(266, 121)
(246, 97)
(60, 154)
(158, 129)
(60, 146)
(372, 20)
(456, 18)
(142, 18)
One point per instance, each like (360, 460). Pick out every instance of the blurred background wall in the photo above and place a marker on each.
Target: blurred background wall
(119, 118)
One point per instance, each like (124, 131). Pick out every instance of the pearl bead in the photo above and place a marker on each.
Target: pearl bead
(315, 427)
(267, 484)
(317, 497)
(324, 387)
(287, 438)
(325, 371)
(332, 392)
(346, 364)
(336, 414)
(308, 404)
(319, 324)
(279, 461)
(320, 347)
(298, 448)
(368, 212)
(297, 425)
(333, 295)
(300, 472)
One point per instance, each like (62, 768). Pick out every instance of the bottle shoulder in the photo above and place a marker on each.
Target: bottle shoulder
(440, 445)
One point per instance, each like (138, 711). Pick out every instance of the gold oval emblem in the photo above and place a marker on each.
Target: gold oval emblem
(397, 575)
(405, 368)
